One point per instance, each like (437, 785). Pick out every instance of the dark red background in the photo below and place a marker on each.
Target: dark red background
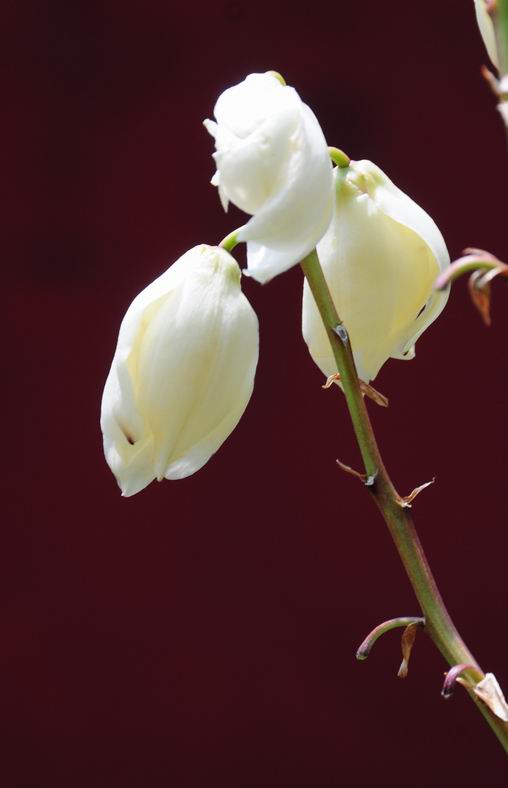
(202, 634)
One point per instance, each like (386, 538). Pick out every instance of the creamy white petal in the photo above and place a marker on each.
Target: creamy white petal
(183, 371)
(272, 162)
(129, 459)
(223, 394)
(255, 121)
(487, 30)
(380, 256)
(128, 441)
(290, 225)
(245, 107)
(393, 202)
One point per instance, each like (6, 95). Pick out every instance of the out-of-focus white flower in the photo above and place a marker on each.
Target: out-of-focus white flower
(490, 692)
(380, 256)
(272, 162)
(182, 373)
(503, 104)
(486, 26)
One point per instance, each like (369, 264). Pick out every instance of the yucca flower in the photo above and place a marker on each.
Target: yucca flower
(380, 257)
(183, 371)
(273, 163)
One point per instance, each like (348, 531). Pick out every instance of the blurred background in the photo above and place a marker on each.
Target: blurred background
(203, 633)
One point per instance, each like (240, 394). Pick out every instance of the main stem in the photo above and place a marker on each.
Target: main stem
(501, 28)
(438, 624)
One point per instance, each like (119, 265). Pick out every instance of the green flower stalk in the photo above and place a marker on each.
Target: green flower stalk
(438, 624)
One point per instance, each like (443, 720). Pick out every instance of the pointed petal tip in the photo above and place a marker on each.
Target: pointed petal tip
(210, 126)
(262, 277)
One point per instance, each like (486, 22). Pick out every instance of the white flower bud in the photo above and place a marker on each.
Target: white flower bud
(182, 373)
(380, 257)
(272, 162)
(487, 31)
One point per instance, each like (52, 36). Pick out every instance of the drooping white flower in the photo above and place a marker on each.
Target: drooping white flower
(183, 371)
(487, 31)
(272, 162)
(380, 256)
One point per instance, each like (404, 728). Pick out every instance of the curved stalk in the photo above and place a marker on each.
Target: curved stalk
(404, 621)
(439, 626)
(468, 264)
(230, 241)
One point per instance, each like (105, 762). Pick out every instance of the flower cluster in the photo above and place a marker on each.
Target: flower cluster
(183, 371)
